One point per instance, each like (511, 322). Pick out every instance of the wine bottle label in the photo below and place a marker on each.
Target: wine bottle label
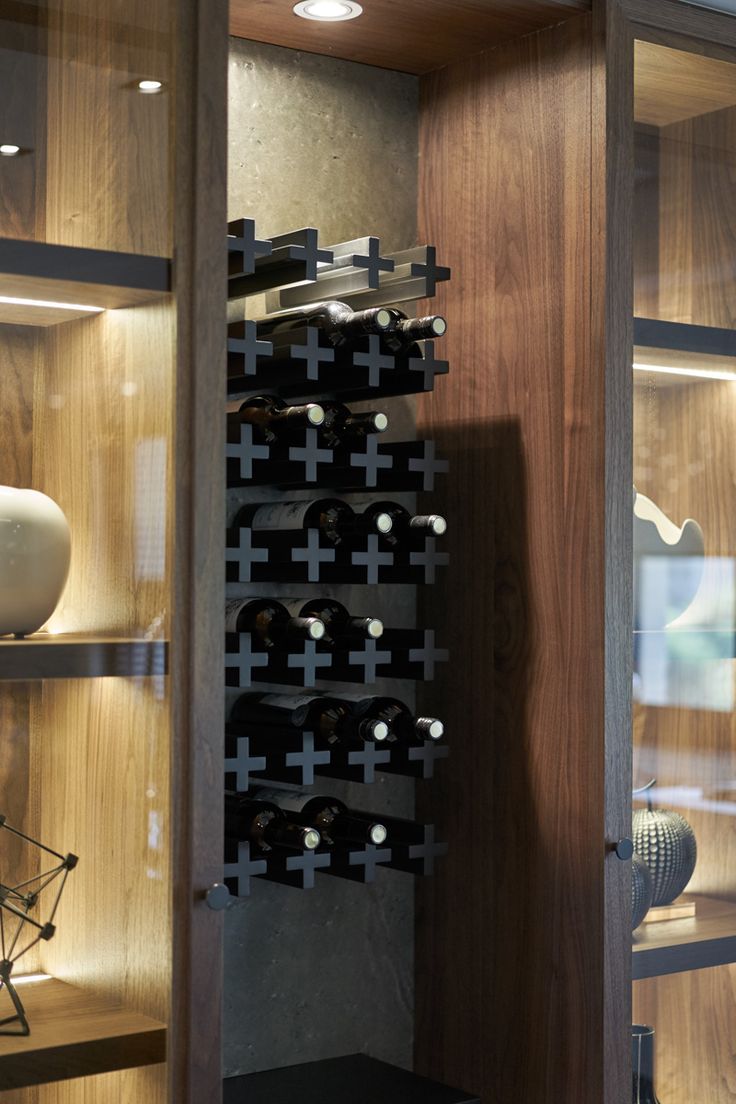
(289, 701)
(232, 609)
(280, 515)
(291, 801)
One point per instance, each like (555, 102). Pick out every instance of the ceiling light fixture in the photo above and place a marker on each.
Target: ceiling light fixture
(7, 149)
(328, 11)
(150, 86)
(48, 303)
(693, 373)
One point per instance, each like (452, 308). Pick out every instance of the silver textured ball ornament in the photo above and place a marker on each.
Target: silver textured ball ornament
(666, 842)
(641, 890)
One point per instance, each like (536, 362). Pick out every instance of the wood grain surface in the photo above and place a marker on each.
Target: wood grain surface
(511, 938)
(74, 1034)
(414, 36)
(195, 1066)
(672, 85)
(674, 946)
(692, 1014)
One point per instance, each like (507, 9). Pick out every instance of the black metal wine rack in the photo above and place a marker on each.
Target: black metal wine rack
(309, 368)
(413, 851)
(308, 462)
(399, 653)
(256, 556)
(295, 757)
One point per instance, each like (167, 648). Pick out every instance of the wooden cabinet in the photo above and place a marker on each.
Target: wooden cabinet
(574, 167)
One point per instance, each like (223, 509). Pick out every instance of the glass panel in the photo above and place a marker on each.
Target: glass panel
(685, 576)
(84, 151)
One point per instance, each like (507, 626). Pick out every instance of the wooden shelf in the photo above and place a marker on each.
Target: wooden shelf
(677, 946)
(358, 1078)
(61, 274)
(72, 655)
(684, 348)
(75, 1034)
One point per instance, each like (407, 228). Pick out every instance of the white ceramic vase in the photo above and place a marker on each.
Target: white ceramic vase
(35, 548)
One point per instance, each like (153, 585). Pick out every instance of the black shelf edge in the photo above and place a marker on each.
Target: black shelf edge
(653, 333)
(682, 958)
(77, 656)
(357, 1078)
(74, 265)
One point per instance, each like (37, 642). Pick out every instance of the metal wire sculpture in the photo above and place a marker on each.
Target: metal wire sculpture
(16, 904)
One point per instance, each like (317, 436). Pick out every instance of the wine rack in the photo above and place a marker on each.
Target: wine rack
(295, 269)
(400, 466)
(255, 556)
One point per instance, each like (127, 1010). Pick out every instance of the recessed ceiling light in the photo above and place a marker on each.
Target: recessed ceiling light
(328, 11)
(150, 86)
(9, 150)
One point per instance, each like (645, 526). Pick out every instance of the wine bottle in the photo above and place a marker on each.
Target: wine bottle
(335, 822)
(404, 525)
(402, 724)
(339, 323)
(332, 721)
(273, 419)
(270, 622)
(405, 331)
(266, 825)
(342, 427)
(334, 518)
(340, 626)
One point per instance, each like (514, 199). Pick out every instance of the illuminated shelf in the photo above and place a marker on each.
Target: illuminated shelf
(75, 1034)
(687, 350)
(63, 280)
(72, 655)
(694, 943)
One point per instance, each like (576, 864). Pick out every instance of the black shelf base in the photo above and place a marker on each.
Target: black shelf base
(356, 1078)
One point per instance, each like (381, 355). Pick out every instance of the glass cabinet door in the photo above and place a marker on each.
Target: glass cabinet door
(684, 478)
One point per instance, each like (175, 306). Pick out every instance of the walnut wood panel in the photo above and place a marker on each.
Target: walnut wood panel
(108, 168)
(195, 1070)
(511, 941)
(75, 1034)
(693, 1019)
(415, 36)
(672, 85)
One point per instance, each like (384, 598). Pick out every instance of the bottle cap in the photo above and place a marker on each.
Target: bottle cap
(379, 730)
(378, 834)
(315, 628)
(374, 628)
(430, 727)
(438, 525)
(439, 326)
(315, 414)
(383, 319)
(311, 839)
(384, 523)
(380, 422)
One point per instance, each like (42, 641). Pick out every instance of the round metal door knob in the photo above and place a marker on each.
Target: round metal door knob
(218, 897)
(624, 849)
